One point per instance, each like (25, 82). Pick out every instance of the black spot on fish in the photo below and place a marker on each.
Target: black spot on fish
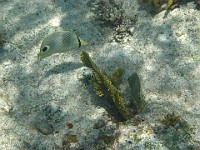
(79, 42)
(45, 49)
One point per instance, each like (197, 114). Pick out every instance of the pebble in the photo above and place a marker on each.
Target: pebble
(44, 127)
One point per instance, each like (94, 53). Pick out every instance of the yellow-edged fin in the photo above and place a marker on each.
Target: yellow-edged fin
(83, 42)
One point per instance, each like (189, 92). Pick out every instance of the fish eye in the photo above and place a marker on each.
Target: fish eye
(45, 48)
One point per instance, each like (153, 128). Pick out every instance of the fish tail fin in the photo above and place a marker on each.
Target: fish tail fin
(83, 42)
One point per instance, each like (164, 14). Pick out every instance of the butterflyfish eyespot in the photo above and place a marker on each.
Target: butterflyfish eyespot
(45, 48)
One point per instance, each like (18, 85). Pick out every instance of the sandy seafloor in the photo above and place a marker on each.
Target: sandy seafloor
(38, 98)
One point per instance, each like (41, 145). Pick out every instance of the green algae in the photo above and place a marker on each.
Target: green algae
(104, 85)
(177, 122)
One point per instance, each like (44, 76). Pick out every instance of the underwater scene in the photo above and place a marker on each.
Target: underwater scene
(100, 75)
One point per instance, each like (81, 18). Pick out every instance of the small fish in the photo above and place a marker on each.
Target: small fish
(136, 93)
(60, 42)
